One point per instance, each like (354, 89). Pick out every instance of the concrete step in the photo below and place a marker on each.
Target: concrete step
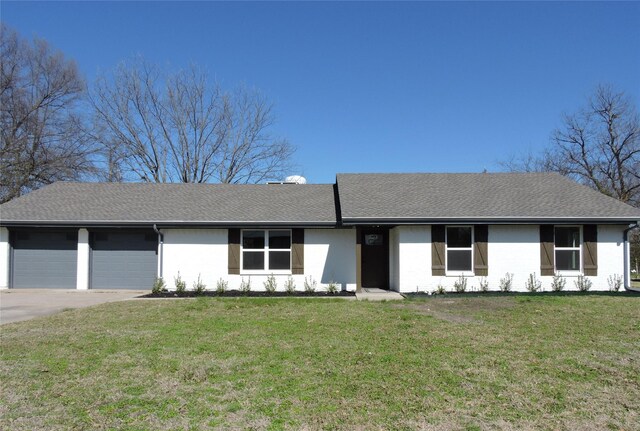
(374, 294)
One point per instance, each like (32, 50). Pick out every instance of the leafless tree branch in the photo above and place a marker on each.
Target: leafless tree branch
(41, 128)
(598, 146)
(182, 128)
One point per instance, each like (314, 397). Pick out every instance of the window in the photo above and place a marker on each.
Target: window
(266, 250)
(567, 248)
(459, 243)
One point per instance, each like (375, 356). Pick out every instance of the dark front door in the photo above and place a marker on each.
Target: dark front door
(375, 258)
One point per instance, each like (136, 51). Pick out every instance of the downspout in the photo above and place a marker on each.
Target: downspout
(627, 260)
(160, 246)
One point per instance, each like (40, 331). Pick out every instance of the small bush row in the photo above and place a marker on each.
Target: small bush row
(532, 284)
(270, 286)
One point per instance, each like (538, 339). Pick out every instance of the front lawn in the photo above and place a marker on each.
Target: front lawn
(520, 362)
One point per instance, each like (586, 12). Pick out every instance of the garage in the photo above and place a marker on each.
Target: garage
(44, 259)
(123, 259)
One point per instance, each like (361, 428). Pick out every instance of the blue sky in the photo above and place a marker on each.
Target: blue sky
(374, 87)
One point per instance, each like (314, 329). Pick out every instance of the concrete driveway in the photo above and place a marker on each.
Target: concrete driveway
(25, 304)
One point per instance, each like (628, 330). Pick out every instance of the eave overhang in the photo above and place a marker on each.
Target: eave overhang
(359, 221)
(176, 224)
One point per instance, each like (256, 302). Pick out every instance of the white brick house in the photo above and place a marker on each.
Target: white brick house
(404, 232)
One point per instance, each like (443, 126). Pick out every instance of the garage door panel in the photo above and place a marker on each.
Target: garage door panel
(45, 260)
(123, 260)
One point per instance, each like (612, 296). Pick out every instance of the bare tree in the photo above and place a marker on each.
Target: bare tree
(40, 123)
(527, 162)
(598, 146)
(181, 128)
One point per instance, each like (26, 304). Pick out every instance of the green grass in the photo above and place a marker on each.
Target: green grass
(565, 362)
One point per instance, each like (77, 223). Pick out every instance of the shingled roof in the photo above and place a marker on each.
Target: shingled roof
(497, 197)
(363, 199)
(174, 204)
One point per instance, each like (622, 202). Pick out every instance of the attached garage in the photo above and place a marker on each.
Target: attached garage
(123, 259)
(44, 259)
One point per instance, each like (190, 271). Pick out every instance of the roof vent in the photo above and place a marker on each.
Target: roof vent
(295, 179)
(292, 179)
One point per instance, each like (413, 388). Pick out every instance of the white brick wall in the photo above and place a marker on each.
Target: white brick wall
(329, 255)
(511, 248)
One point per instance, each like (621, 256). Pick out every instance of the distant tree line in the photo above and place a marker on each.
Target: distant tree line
(136, 123)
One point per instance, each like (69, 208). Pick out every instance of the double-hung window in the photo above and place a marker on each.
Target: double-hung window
(266, 251)
(459, 242)
(567, 248)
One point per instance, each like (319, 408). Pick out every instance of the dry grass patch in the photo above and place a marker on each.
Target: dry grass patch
(461, 309)
(501, 363)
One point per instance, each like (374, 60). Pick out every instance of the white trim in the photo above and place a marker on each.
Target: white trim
(265, 251)
(447, 248)
(82, 272)
(568, 273)
(5, 258)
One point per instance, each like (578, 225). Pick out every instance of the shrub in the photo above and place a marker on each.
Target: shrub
(533, 284)
(159, 285)
(221, 286)
(270, 285)
(484, 284)
(310, 285)
(181, 285)
(460, 285)
(440, 290)
(583, 284)
(199, 287)
(290, 285)
(615, 282)
(332, 288)
(558, 283)
(506, 283)
(245, 286)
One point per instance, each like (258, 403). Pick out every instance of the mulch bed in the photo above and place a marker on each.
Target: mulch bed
(495, 293)
(238, 294)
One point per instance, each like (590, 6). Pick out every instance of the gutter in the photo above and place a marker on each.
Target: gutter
(627, 260)
(160, 247)
(168, 224)
(357, 221)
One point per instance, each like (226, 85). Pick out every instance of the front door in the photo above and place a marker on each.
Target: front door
(375, 258)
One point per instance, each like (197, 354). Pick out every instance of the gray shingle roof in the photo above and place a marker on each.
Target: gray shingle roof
(495, 196)
(364, 198)
(124, 203)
